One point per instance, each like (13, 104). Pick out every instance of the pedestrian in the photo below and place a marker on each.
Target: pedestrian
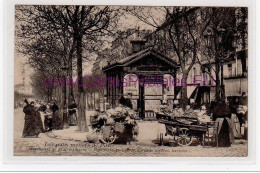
(122, 101)
(203, 115)
(73, 114)
(175, 104)
(31, 126)
(56, 120)
(222, 115)
(39, 120)
(41, 111)
(165, 99)
(242, 116)
(48, 118)
(128, 102)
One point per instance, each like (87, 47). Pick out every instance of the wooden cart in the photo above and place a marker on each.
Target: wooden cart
(184, 130)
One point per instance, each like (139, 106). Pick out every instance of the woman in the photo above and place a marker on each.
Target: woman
(31, 125)
(222, 114)
(73, 114)
(56, 120)
(48, 118)
(41, 118)
(203, 115)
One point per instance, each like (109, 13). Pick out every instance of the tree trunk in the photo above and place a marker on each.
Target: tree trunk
(184, 96)
(217, 81)
(64, 104)
(79, 64)
(71, 94)
(82, 101)
(223, 94)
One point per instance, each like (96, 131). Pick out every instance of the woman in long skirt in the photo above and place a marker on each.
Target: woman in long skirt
(73, 114)
(56, 120)
(222, 114)
(31, 126)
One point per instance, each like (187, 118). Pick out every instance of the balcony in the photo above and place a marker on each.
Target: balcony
(234, 76)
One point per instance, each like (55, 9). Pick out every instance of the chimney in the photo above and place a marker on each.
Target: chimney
(138, 43)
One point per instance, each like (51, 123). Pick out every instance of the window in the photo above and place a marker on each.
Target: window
(229, 70)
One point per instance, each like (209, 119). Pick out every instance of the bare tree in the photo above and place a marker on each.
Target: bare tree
(73, 29)
(218, 45)
(183, 28)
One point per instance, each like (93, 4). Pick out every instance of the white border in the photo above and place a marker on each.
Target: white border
(117, 163)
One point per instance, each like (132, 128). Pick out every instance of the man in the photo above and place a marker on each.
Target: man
(128, 101)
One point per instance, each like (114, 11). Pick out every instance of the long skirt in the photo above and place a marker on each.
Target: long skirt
(42, 120)
(56, 121)
(31, 127)
(39, 121)
(73, 119)
(225, 132)
(235, 125)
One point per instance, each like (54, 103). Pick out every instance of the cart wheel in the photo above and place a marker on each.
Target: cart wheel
(109, 140)
(184, 138)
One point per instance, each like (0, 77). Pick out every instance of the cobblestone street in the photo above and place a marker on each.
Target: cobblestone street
(45, 145)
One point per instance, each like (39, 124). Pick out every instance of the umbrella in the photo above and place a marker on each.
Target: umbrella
(221, 109)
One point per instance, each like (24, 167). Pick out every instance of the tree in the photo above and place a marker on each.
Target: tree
(69, 29)
(183, 29)
(45, 40)
(39, 87)
(218, 42)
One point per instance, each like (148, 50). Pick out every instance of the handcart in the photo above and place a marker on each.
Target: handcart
(115, 132)
(183, 130)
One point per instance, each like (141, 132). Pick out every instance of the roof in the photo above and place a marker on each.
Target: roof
(139, 55)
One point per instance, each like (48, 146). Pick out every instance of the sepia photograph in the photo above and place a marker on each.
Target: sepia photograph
(130, 81)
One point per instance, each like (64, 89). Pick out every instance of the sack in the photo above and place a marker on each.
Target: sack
(92, 138)
(136, 130)
(106, 130)
(110, 121)
(119, 127)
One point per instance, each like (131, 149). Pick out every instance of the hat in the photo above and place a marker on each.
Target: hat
(203, 107)
(30, 100)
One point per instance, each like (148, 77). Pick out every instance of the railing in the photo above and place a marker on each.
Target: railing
(149, 115)
(234, 76)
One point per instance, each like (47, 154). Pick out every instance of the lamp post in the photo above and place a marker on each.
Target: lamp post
(222, 44)
(208, 35)
(214, 40)
(236, 44)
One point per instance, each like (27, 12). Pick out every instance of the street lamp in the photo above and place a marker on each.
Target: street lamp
(208, 35)
(221, 32)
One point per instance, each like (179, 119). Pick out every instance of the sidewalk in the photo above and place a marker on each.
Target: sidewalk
(148, 133)
(70, 134)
